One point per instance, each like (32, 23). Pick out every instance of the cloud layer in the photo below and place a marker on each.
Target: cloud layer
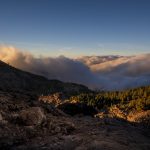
(100, 72)
(121, 72)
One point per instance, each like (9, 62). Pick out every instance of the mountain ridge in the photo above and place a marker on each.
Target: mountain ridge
(13, 78)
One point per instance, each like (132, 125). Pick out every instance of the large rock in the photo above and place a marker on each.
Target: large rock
(1, 118)
(32, 116)
(77, 108)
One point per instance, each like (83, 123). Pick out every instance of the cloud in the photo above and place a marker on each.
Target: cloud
(61, 68)
(102, 72)
(121, 72)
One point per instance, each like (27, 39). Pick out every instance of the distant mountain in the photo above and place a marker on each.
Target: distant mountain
(15, 79)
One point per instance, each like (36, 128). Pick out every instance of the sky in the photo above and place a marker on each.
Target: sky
(76, 27)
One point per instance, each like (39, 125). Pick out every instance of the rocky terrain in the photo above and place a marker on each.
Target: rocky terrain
(41, 117)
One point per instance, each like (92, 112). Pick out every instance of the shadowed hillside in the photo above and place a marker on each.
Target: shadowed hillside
(15, 79)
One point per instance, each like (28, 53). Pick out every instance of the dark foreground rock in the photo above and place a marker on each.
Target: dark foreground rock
(77, 109)
(32, 116)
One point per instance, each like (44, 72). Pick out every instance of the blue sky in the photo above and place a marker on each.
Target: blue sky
(76, 27)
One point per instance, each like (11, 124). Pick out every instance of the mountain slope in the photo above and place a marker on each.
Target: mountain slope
(15, 79)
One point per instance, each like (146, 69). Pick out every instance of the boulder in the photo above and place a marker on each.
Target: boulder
(1, 118)
(32, 116)
(77, 108)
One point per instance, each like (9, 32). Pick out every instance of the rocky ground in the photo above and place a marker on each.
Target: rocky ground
(27, 123)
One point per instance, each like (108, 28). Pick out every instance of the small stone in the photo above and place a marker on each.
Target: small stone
(57, 129)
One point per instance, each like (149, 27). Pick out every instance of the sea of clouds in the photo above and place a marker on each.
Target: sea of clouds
(96, 72)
